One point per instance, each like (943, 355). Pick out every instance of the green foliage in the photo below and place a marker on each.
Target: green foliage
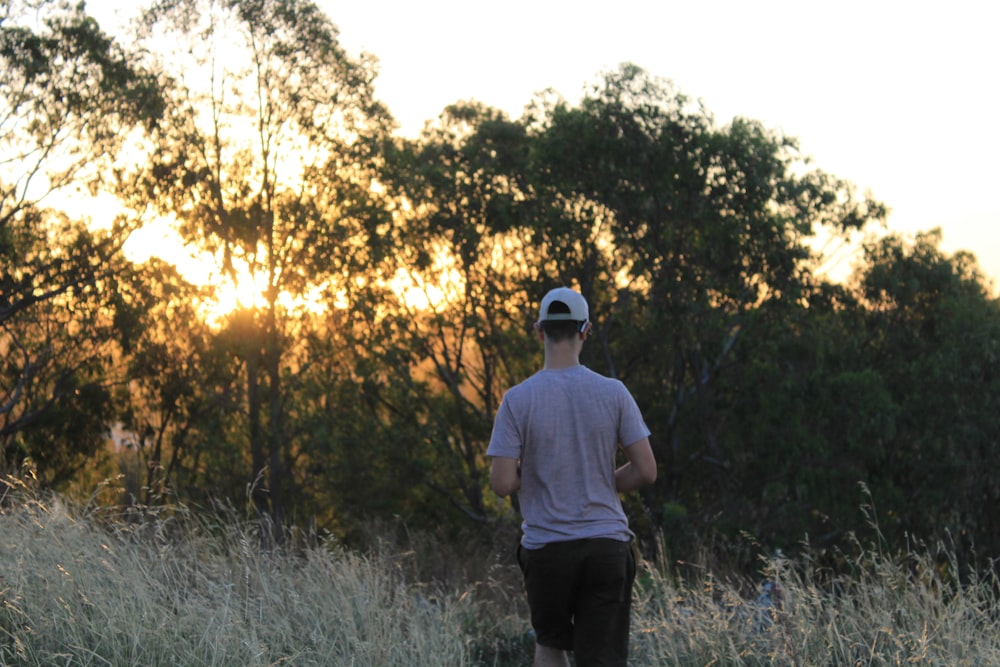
(68, 96)
(466, 181)
(179, 412)
(276, 182)
(935, 334)
(58, 338)
(68, 84)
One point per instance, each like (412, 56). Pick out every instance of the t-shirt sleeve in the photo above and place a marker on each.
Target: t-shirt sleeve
(505, 440)
(631, 426)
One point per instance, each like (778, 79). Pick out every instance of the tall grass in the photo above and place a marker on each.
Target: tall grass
(81, 587)
(174, 591)
(905, 609)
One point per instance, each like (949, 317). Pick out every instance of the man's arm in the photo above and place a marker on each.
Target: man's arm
(640, 469)
(505, 477)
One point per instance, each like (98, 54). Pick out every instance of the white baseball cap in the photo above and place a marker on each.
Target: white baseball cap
(572, 299)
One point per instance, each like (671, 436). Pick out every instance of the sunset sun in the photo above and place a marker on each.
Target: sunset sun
(240, 290)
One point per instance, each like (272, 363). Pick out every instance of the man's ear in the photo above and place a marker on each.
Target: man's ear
(586, 329)
(538, 329)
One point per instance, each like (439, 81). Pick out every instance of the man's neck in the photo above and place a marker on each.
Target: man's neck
(562, 355)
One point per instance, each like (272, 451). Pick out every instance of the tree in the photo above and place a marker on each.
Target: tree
(267, 159)
(934, 335)
(809, 421)
(465, 182)
(705, 235)
(68, 96)
(179, 406)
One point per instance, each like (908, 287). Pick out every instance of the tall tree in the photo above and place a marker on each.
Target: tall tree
(886, 381)
(706, 227)
(465, 182)
(267, 159)
(69, 95)
(178, 409)
(934, 338)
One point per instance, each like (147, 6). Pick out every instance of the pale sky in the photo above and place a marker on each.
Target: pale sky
(902, 98)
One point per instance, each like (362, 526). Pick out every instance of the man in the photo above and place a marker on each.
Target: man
(554, 442)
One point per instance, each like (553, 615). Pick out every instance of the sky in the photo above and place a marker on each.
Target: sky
(899, 98)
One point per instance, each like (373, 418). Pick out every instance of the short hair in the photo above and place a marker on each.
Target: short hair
(560, 330)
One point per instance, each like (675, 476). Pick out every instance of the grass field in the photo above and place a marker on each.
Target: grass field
(85, 587)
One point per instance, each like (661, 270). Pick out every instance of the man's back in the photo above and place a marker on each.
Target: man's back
(565, 425)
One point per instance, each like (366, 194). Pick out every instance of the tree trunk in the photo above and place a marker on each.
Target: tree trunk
(275, 422)
(257, 458)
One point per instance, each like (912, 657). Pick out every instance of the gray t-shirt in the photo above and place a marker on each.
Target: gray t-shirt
(565, 426)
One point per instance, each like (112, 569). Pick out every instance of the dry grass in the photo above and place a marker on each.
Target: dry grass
(80, 588)
(903, 609)
(171, 591)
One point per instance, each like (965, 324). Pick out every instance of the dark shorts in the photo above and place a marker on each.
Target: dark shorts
(580, 596)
